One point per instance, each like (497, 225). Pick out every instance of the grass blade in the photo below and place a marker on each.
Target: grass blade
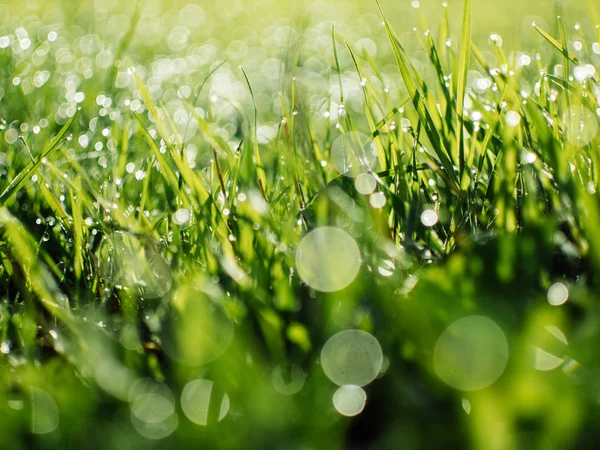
(463, 67)
(418, 99)
(30, 169)
(260, 171)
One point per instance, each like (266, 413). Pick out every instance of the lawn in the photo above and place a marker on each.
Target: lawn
(327, 224)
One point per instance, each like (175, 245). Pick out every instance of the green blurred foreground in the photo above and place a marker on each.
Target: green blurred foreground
(242, 226)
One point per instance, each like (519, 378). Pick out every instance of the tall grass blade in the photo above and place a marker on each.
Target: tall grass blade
(418, 99)
(463, 67)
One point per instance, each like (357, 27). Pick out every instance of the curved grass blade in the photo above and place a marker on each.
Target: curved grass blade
(260, 171)
(38, 277)
(23, 176)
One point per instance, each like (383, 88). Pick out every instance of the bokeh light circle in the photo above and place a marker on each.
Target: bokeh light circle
(558, 294)
(152, 409)
(471, 353)
(151, 402)
(197, 402)
(199, 330)
(44, 412)
(327, 259)
(350, 400)
(182, 216)
(377, 200)
(290, 381)
(352, 357)
(158, 430)
(365, 183)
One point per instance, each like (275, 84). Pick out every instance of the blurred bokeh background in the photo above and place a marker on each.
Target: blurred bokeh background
(154, 294)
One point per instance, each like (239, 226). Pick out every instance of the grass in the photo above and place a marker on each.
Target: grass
(153, 202)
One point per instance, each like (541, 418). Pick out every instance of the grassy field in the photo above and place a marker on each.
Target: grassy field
(332, 224)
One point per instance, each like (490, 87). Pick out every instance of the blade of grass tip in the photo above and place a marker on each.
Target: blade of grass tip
(463, 67)
(337, 62)
(19, 181)
(563, 38)
(160, 125)
(215, 141)
(417, 97)
(163, 132)
(181, 164)
(378, 142)
(443, 35)
(205, 80)
(434, 58)
(260, 171)
(555, 44)
(197, 96)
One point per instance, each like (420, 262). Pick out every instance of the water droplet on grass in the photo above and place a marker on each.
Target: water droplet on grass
(513, 118)
(377, 200)
(429, 217)
(466, 405)
(181, 216)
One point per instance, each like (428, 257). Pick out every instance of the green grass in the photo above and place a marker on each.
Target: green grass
(156, 184)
